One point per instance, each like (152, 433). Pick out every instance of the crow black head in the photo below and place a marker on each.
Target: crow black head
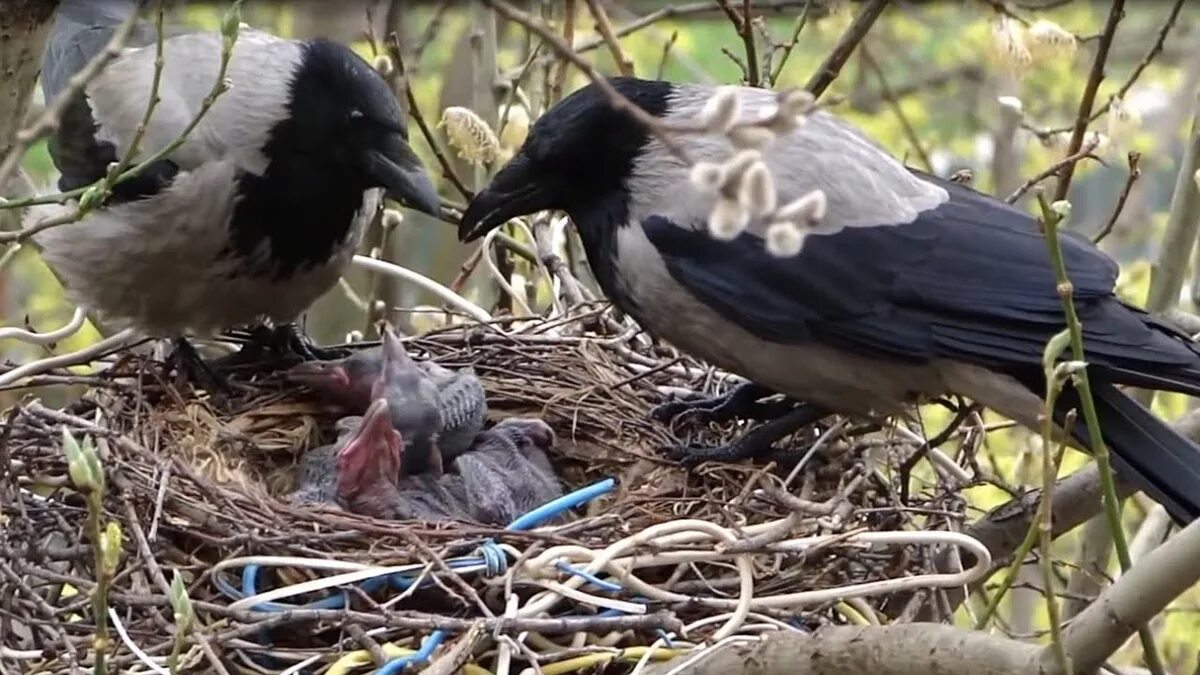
(343, 114)
(577, 155)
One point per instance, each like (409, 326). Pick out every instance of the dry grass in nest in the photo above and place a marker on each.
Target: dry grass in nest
(194, 482)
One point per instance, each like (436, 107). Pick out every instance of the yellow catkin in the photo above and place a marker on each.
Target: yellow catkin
(469, 135)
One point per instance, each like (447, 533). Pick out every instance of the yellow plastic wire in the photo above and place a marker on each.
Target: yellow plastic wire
(587, 660)
(362, 657)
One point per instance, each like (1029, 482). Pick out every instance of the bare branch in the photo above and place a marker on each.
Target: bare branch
(1088, 100)
(832, 66)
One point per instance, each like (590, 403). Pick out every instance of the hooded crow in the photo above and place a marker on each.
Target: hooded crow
(911, 287)
(260, 209)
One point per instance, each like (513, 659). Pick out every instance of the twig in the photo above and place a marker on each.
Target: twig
(1059, 166)
(1134, 75)
(1141, 593)
(604, 27)
(741, 24)
(615, 98)
(51, 116)
(1089, 97)
(788, 47)
(1135, 172)
(103, 188)
(662, 61)
(886, 91)
(832, 66)
(1112, 502)
(414, 110)
(554, 92)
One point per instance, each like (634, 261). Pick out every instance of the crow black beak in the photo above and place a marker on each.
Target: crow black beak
(394, 165)
(513, 192)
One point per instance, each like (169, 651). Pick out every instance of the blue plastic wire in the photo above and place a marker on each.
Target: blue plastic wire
(490, 556)
(590, 578)
(420, 656)
(555, 508)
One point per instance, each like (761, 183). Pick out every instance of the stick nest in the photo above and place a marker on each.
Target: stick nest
(196, 487)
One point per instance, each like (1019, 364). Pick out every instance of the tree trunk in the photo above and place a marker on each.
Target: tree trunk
(24, 26)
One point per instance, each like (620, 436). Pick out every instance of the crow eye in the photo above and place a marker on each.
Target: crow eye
(356, 114)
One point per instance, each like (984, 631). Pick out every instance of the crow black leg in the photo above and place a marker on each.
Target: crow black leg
(280, 343)
(741, 401)
(756, 442)
(188, 362)
(288, 340)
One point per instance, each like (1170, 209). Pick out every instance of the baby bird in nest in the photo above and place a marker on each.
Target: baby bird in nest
(506, 474)
(437, 411)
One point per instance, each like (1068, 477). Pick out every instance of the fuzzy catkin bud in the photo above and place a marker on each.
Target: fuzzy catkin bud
(1011, 104)
(391, 219)
(1008, 47)
(707, 176)
(727, 219)
(806, 210)
(751, 137)
(757, 192)
(470, 135)
(1049, 40)
(721, 111)
(784, 239)
(383, 65)
(735, 167)
(1123, 121)
(795, 102)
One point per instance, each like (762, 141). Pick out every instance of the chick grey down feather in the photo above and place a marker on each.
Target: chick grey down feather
(911, 287)
(257, 212)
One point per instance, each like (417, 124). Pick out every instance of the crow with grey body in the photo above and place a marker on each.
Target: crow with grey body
(257, 212)
(911, 287)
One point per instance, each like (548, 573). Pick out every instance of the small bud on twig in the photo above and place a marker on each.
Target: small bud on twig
(707, 176)
(727, 219)
(391, 219)
(1050, 40)
(806, 210)
(784, 239)
(721, 111)
(383, 65)
(757, 193)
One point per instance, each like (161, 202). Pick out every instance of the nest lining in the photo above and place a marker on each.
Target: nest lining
(195, 483)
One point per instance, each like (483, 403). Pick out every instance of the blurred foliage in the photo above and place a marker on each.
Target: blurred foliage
(955, 118)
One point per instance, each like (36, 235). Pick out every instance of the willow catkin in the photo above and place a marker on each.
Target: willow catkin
(1048, 40)
(784, 239)
(469, 135)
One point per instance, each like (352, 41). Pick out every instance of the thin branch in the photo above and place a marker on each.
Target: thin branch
(1082, 382)
(1088, 100)
(615, 98)
(1134, 75)
(886, 91)
(605, 28)
(1135, 172)
(832, 66)
(788, 47)
(50, 118)
(414, 110)
(745, 30)
(1141, 593)
(1069, 160)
